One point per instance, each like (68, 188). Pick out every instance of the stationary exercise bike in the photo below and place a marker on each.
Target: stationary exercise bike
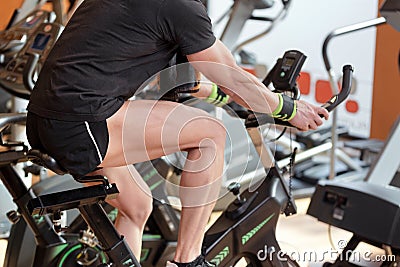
(228, 240)
(80, 246)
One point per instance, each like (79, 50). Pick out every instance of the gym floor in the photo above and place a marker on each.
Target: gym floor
(306, 239)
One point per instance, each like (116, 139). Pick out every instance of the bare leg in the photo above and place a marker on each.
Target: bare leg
(143, 130)
(134, 204)
(198, 202)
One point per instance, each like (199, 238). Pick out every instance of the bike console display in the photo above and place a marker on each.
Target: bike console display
(286, 70)
(18, 34)
(20, 73)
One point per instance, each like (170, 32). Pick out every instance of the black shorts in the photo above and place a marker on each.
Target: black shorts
(79, 147)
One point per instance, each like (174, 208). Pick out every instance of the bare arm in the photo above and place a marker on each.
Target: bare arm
(219, 66)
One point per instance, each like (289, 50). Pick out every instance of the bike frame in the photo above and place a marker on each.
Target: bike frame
(247, 227)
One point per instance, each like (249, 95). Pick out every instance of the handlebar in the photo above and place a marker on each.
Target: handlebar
(29, 70)
(338, 32)
(344, 93)
(7, 119)
(257, 119)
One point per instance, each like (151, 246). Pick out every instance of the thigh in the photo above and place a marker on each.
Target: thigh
(144, 129)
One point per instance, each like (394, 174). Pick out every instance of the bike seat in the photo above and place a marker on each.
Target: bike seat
(43, 159)
(46, 161)
(7, 119)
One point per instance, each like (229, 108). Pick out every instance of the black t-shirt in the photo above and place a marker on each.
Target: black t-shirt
(109, 48)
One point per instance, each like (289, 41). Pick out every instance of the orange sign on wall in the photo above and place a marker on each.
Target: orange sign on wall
(385, 105)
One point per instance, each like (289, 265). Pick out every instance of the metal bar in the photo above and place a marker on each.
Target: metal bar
(388, 161)
(241, 12)
(113, 243)
(21, 196)
(71, 199)
(269, 163)
(266, 157)
(304, 155)
(344, 30)
(332, 78)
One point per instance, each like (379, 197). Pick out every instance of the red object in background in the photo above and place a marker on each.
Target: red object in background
(304, 83)
(323, 91)
(352, 106)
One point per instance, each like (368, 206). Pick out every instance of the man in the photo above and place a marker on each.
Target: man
(80, 112)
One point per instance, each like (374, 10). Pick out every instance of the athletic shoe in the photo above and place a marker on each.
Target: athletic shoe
(200, 261)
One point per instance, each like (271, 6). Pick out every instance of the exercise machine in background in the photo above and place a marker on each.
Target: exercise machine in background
(340, 165)
(368, 208)
(13, 39)
(16, 46)
(239, 14)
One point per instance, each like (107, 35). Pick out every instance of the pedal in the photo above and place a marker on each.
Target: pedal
(88, 238)
(70, 199)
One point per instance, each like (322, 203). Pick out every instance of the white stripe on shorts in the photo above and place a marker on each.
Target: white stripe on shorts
(94, 141)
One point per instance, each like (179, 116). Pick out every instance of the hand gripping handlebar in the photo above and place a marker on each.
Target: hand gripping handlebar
(257, 119)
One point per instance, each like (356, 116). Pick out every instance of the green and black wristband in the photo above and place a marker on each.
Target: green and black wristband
(286, 109)
(217, 96)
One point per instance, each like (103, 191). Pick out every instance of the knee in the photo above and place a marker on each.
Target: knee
(137, 214)
(143, 213)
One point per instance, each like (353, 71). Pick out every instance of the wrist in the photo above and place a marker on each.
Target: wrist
(286, 109)
(217, 97)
